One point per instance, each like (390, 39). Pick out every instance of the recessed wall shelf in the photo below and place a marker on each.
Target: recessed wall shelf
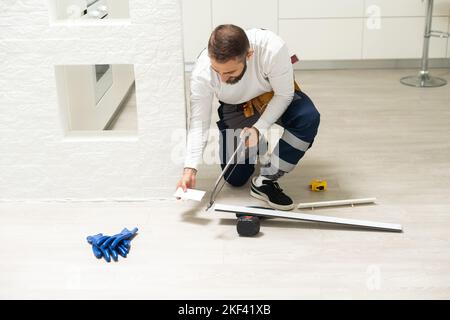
(94, 97)
(88, 12)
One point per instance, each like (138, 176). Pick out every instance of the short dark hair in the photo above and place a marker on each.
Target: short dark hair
(228, 42)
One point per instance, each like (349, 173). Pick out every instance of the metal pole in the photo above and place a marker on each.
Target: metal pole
(214, 192)
(426, 39)
(424, 79)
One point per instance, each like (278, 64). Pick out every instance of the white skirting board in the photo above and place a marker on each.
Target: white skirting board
(335, 203)
(307, 217)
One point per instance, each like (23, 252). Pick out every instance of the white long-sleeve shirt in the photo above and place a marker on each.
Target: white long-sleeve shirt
(268, 69)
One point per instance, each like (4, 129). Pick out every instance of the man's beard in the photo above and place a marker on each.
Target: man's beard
(235, 80)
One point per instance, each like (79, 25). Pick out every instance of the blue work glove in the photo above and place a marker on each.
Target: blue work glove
(96, 242)
(119, 243)
(107, 247)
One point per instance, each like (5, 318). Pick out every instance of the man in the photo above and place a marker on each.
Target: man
(244, 68)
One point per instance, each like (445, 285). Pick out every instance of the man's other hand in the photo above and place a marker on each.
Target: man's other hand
(251, 136)
(187, 180)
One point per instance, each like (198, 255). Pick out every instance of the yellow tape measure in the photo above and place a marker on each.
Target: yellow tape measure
(318, 185)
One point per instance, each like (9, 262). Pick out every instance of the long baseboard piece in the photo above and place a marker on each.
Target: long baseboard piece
(308, 217)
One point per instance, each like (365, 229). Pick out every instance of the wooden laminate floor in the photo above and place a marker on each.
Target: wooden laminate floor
(377, 138)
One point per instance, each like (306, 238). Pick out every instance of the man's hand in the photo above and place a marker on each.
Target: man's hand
(251, 136)
(187, 180)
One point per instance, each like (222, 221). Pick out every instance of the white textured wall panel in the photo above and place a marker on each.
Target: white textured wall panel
(37, 159)
(22, 12)
(323, 39)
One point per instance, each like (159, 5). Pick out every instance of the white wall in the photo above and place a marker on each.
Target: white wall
(325, 29)
(38, 159)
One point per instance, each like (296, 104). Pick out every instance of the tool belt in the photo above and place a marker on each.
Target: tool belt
(260, 102)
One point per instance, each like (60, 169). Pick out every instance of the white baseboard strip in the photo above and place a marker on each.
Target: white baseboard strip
(335, 203)
(307, 217)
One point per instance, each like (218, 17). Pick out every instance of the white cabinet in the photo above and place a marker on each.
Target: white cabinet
(246, 13)
(402, 38)
(197, 27)
(200, 17)
(441, 8)
(293, 9)
(409, 8)
(323, 39)
(448, 44)
(325, 29)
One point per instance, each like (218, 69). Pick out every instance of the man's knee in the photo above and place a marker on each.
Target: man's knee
(236, 182)
(240, 175)
(305, 126)
(301, 114)
(310, 118)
